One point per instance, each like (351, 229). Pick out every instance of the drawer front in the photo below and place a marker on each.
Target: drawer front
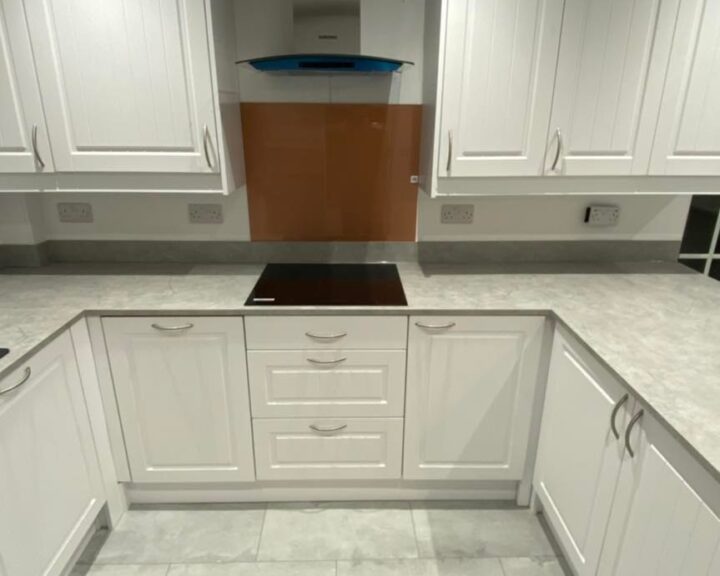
(296, 383)
(340, 449)
(330, 332)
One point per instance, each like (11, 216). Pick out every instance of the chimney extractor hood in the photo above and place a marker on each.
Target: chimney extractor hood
(325, 38)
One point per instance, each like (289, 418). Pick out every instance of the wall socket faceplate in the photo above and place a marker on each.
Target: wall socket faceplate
(75, 212)
(600, 215)
(457, 213)
(205, 213)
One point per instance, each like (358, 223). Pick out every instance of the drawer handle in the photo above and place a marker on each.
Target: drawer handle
(613, 415)
(326, 362)
(25, 378)
(326, 336)
(327, 429)
(435, 326)
(633, 421)
(177, 328)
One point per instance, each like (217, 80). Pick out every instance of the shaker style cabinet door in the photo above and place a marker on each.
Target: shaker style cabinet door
(181, 387)
(500, 59)
(24, 143)
(471, 386)
(126, 84)
(579, 456)
(612, 61)
(688, 131)
(50, 486)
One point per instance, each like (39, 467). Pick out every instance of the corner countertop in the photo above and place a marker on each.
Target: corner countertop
(656, 326)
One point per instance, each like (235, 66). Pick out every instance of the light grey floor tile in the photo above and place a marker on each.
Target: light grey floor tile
(338, 532)
(532, 567)
(422, 567)
(255, 569)
(120, 570)
(477, 532)
(177, 536)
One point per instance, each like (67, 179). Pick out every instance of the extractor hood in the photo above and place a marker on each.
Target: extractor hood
(326, 38)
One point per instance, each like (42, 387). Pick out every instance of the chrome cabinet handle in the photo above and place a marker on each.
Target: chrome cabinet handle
(558, 135)
(327, 429)
(206, 146)
(614, 414)
(326, 362)
(178, 328)
(36, 151)
(450, 146)
(435, 326)
(326, 336)
(632, 423)
(25, 378)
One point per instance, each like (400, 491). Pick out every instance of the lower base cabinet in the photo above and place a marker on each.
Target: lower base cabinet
(50, 484)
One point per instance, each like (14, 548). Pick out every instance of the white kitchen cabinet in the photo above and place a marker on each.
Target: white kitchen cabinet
(24, 143)
(127, 86)
(611, 64)
(50, 484)
(497, 87)
(579, 456)
(688, 130)
(665, 514)
(471, 387)
(181, 387)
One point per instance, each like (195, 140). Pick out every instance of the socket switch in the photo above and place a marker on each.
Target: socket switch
(599, 215)
(75, 212)
(205, 213)
(457, 213)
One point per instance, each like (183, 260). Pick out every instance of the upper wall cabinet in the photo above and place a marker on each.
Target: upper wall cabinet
(127, 86)
(688, 130)
(498, 85)
(23, 138)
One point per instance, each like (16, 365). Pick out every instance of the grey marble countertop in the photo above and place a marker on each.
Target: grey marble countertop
(657, 328)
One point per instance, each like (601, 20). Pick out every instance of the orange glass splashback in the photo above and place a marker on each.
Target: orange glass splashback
(331, 172)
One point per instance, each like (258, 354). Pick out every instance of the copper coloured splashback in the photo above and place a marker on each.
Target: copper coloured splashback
(331, 172)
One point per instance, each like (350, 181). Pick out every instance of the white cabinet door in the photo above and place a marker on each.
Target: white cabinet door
(181, 386)
(470, 391)
(50, 484)
(126, 85)
(613, 57)
(22, 120)
(665, 515)
(579, 457)
(688, 131)
(500, 59)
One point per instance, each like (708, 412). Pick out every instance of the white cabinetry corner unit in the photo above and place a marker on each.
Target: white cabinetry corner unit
(609, 482)
(471, 389)
(571, 88)
(50, 483)
(181, 387)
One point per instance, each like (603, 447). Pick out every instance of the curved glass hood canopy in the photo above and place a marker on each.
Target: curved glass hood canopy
(326, 38)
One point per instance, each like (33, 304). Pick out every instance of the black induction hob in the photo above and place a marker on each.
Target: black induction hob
(328, 285)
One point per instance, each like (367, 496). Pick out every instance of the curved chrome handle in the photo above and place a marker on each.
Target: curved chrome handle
(614, 414)
(326, 362)
(25, 378)
(327, 429)
(178, 328)
(435, 326)
(632, 423)
(449, 157)
(36, 152)
(326, 336)
(206, 141)
(558, 135)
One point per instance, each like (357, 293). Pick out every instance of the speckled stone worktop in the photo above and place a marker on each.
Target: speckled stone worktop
(657, 328)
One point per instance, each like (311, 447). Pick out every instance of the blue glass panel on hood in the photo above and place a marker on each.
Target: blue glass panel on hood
(325, 63)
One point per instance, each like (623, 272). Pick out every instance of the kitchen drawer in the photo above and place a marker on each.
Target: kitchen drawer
(335, 332)
(296, 383)
(348, 449)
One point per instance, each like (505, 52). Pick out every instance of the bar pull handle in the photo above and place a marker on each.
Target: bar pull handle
(634, 420)
(36, 150)
(25, 378)
(614, 414)
(327, 429)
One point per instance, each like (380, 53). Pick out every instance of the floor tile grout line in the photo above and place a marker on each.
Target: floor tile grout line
(262, 530)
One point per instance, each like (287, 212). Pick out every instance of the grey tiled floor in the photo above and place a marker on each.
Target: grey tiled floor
(327, 539)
